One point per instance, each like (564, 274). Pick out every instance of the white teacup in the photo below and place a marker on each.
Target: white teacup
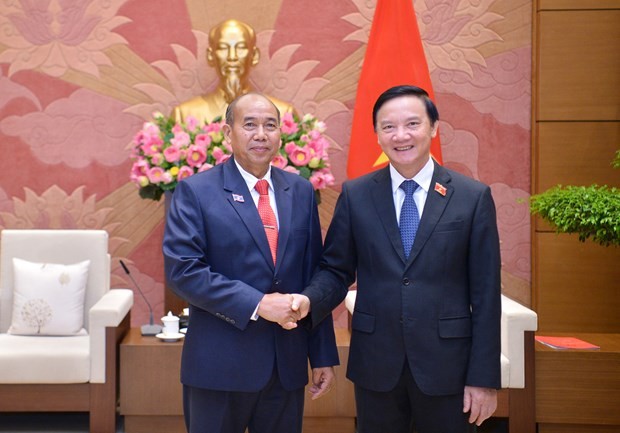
(171, 324)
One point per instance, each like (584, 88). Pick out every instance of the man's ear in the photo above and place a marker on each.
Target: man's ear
(435, 128)
(226, 130)
(255, 56)
(209, 56)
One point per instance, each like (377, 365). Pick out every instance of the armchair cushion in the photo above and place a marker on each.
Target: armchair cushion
(48, 298)
(46, 359)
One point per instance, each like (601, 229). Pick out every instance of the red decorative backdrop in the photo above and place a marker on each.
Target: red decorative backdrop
(79, 77)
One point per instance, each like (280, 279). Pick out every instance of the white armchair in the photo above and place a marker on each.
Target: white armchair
(74, 372)
(516, 398)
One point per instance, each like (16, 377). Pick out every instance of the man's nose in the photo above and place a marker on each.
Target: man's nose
(232, 54)
(400, 133)
(260, 133)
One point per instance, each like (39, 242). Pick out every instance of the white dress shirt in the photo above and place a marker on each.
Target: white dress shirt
(251, 180)
(422, 178)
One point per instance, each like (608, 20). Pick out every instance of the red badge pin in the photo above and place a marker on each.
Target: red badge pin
(440, 189)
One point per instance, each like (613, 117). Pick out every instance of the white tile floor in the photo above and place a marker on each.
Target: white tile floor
(47, 423)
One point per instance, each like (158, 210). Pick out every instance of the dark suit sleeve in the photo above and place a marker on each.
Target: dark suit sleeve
(485, 292)
(322, 349)
(337, 266)
(187, 271)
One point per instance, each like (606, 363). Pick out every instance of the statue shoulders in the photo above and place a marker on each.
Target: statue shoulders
(207, 107)
(196, 100)
(204, 108)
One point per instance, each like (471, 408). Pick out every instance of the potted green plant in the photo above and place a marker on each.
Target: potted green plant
(589, 211)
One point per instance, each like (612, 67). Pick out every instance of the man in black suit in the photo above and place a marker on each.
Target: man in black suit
(425, 341)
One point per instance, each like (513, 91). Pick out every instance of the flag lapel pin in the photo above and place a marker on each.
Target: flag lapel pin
(440, 189)
(238, 197)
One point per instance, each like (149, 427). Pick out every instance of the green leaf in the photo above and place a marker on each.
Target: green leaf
(151, 191)
(305, 172)
(592, 212)
(616, 162)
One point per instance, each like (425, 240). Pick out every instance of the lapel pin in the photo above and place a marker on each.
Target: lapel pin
(237, 197)
(440, 189)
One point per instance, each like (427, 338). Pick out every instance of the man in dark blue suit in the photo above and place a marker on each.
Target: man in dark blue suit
(240, 369)
(425, 341)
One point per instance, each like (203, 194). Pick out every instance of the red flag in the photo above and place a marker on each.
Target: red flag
(394, 56)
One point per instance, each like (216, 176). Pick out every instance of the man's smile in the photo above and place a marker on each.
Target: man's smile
(403, 148)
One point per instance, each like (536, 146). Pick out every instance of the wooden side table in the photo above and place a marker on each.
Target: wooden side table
(578, 391)
(150, 388)
(151, 392)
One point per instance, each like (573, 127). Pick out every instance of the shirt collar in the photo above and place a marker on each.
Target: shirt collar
(251, 180)
(422, 178)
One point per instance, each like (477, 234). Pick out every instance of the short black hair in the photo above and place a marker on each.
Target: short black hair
(405, 90)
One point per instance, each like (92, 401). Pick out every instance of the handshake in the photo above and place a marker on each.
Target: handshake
(285, 309)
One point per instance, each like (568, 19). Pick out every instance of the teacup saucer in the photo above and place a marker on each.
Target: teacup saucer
(170, 337)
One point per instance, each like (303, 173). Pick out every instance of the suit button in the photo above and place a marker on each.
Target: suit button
(406, 281)
(276, 282)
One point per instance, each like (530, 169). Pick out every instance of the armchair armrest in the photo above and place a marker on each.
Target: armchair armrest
(349, 301)
(109, 311)
(516, 320)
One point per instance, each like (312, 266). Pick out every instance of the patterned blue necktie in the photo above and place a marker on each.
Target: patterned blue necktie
(409, 216)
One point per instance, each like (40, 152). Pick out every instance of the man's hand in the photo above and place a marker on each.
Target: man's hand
(480, 402)
(301, 304)
(276, 307)
(322, 381)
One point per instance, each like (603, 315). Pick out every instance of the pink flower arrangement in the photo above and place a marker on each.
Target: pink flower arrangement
(165, 152)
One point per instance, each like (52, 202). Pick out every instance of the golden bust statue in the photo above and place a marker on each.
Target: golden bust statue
(232, 52)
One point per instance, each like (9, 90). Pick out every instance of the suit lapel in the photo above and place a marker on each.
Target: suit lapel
(433, 209)
(284, 203)
(240, 198)
(383, 200)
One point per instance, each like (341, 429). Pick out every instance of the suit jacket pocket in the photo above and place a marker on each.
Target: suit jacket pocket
(455, 327)
(363, 322)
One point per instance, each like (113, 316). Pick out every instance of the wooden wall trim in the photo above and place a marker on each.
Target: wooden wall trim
(577, 4)
(534, 268)
(578, 65)
(576, 288)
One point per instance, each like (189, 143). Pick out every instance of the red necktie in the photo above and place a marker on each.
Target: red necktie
(267, 216)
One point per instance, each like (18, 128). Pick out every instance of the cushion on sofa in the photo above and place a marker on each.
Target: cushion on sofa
(48, 298)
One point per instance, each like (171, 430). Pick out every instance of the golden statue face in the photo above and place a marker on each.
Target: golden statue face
(232, 50)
